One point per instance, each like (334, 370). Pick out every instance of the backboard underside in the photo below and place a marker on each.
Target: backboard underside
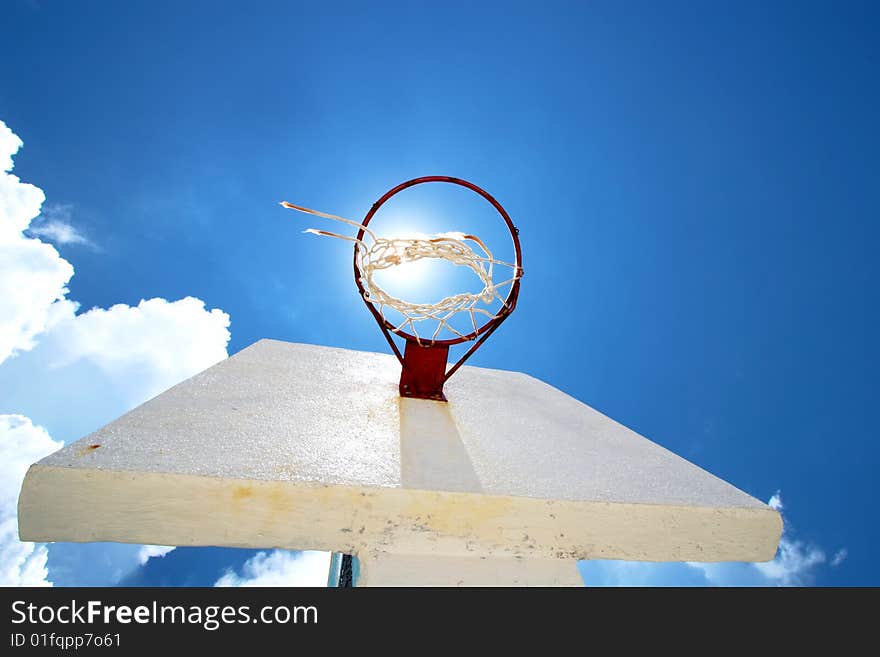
(306, 447)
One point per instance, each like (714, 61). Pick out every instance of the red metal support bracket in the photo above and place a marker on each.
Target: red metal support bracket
(424, 371)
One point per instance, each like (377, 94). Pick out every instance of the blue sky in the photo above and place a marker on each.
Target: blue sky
(696, 186)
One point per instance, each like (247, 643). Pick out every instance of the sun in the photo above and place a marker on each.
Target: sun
(408, 279)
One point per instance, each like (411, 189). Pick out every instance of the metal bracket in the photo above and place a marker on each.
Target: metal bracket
(424, 371)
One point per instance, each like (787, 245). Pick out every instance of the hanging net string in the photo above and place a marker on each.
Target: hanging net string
(383, 253)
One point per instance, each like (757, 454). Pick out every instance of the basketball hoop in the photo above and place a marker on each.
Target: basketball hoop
(424, 359)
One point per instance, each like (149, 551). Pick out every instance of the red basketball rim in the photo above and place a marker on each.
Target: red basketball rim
(509, 302)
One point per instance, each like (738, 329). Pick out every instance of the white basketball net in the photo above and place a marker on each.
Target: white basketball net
(383, 253)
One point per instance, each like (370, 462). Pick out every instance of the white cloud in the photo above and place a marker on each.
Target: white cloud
(147, 552)
(9, 145)
(796, 564)
(141, 350)
(56, 225)
(21, 443)
(839, 557)
(88, 369)
(72, 373)
(281, 568)
(58, 232)
(33, 277)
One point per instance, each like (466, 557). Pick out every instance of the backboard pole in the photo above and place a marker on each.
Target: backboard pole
(343, 571)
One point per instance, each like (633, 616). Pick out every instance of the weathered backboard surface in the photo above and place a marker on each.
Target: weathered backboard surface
(305, 447)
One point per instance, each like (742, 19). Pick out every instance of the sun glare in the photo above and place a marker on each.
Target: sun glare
(411, 278)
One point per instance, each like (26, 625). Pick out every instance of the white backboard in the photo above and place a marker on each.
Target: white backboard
(305, 447)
